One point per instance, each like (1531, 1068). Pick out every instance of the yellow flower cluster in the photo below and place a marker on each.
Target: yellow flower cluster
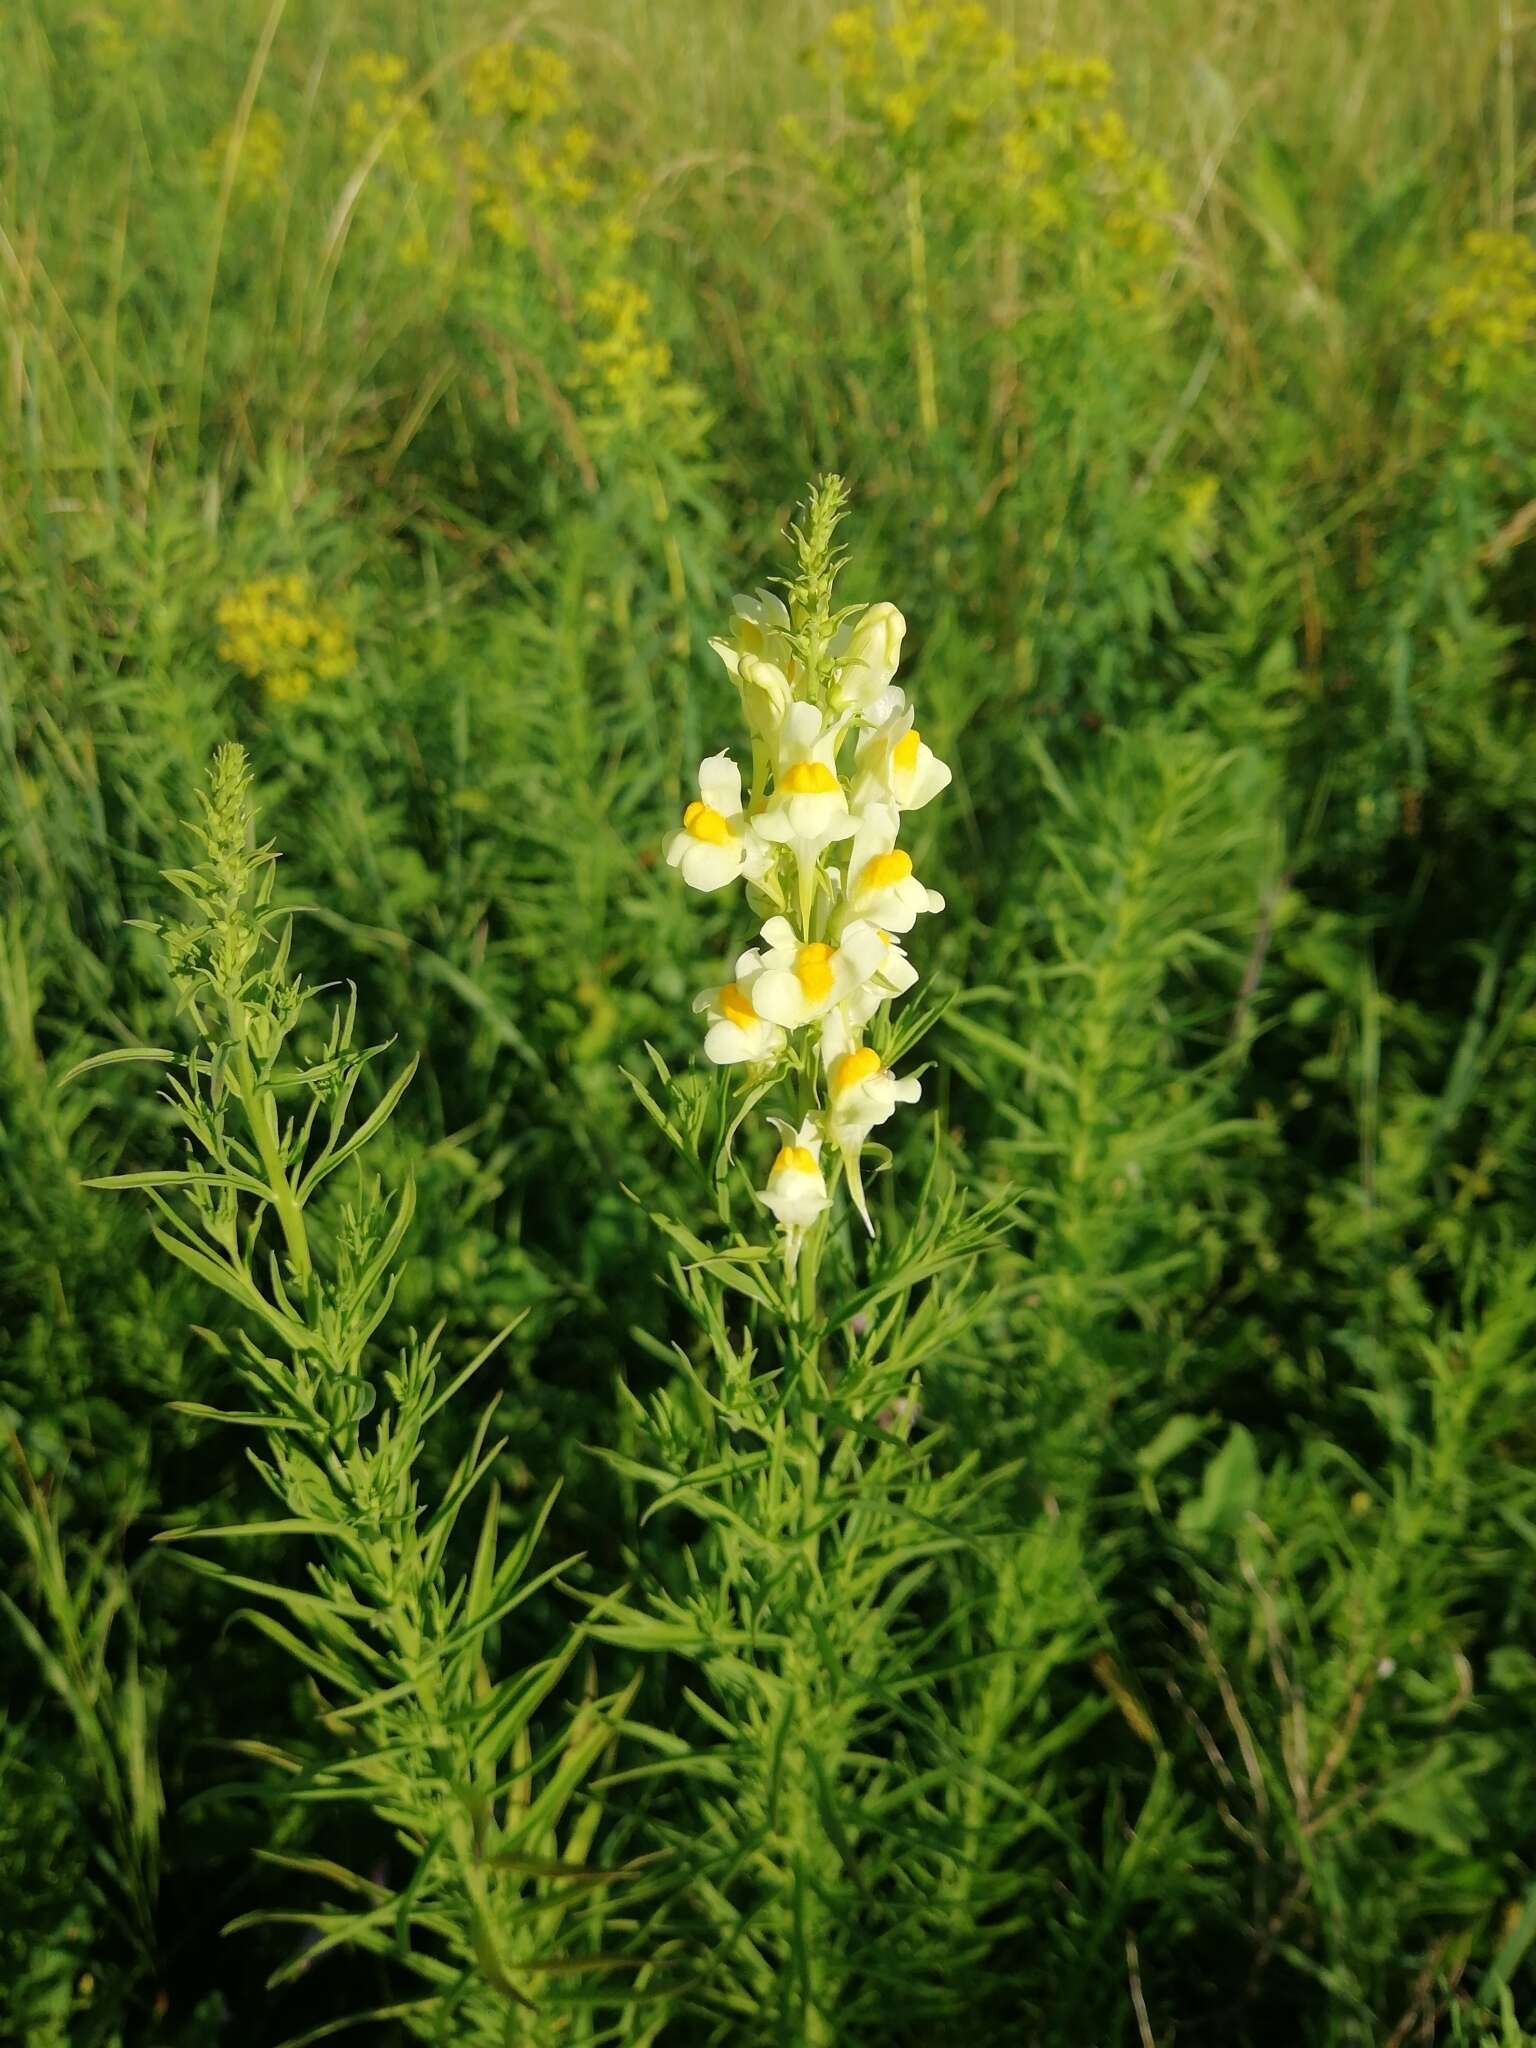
(950, 94)
(108, 39)
(529, 172)
(531, 152)
(383, 106)
(273, 629)
(524, 81)
(1485, 318)
(259, 166)
(523, 164)
(527, 153)
(626, 370)
(1192, 529)
(934, 57)
(1064, 145)
(118, 32)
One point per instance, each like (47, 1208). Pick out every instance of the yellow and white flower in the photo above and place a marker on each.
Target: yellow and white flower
(717, 842)
(866, 650)
(895, 764)
(809, 805)
(862, 1095)
(760, 626)
(797, 1188)
(843, 1025)
(800, 982)
(881, 884)
(759, 656)
(738, 1034)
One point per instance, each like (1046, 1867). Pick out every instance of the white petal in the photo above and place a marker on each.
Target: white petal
(709, 867)
(898, 973)
(778, 996)
(932, 775)
(863, 949)
(839, 1034)
(730, 1044)
(720, 785)
(728, 654)
(815, 813)
(773, 825)
(881, 709)
(763, 609)
(756, 856)
(802, 729)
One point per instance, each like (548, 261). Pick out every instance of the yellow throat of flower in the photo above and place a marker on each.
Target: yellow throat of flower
(809, 778)
(884, 871)
(904, 753)
(735, 1005)
(792, 1159)
(853, 1068)
(702, 821)
(813, 971)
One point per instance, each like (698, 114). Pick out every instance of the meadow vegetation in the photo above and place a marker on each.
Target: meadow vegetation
(454, 1580)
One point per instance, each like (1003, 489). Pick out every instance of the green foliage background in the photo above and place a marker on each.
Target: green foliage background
(402, 389)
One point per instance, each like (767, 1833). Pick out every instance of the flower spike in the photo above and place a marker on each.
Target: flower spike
(837, 762)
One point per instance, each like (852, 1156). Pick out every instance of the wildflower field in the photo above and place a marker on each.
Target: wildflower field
(767, 1024)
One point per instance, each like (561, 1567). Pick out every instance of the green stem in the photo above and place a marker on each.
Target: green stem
(922, 329)
(261, 1115)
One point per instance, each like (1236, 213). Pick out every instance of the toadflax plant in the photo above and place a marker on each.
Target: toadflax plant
(486, 1894)
(791, 1431)
(836, 759)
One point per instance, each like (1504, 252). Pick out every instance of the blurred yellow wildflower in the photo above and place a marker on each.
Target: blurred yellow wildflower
(993, 134)
(854, 34)
(626, 369)
(525, 81)
(107, 38)
(529, 156)
(1485, 317)
(273, 629)
(118, 31)
(382, 115)
(262, 153)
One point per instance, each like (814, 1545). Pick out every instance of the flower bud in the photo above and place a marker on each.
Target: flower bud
(867, 650)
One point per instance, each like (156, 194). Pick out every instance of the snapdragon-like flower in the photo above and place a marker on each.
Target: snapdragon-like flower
(760, 657)
(796, 1193)
(802, 980)
(809, 805)
(843, 1024)
(739, 1034)
(760, 627)
(867, 649)
(836, 758)
(717, 843)
(895, 764)
(864, 1093)
(881, 885)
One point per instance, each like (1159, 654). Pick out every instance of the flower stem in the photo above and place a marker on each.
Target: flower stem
(922, 328)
